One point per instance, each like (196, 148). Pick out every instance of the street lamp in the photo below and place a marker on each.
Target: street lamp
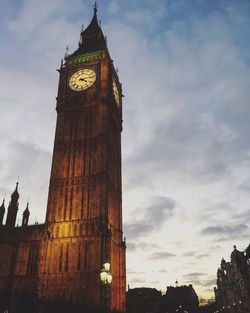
(105, 275)
(106, 281)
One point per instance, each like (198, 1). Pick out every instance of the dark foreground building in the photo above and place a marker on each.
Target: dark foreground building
(232, 293)
(143, 300)
(55, 267)
(180, 299)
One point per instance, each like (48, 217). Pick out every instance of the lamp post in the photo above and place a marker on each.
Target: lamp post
(106, 281)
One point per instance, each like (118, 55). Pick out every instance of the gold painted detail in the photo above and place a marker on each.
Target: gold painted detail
(93, 56)
(116, 92)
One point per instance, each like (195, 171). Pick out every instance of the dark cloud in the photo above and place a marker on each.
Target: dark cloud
(199, 279)
(227, 232)
(131, 246)
(243, 216)
(137, 280)
(147, 246)
(194, 254)
(134, 273)
(162, 271)
(209, 283)
(201, 256)
(245, 186)
(161, 255)
(160, 210)
(194, 275)
(135, 230)
(154, 282)
(214, 248)
(230, 230)
(189, 254)
(144, 246)
(202, 282)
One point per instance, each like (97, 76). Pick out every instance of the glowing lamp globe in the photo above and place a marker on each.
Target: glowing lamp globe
(109, 279)
(103, 277)
(106, 266)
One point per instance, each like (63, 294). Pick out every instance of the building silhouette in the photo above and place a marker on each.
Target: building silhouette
(55, 267)
(179, 299)
(232, 293)
(143, 300)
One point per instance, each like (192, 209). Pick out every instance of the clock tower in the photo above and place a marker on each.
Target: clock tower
(83, 237)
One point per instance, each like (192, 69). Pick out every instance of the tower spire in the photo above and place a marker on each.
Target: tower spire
(13, 208)
(91, 38)
(26, 215)
(95, 7)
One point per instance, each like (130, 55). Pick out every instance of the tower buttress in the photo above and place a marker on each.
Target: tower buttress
(26, 215)
(2, 212)
(12, 209)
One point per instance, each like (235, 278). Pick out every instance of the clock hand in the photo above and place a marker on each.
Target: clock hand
(81, 79)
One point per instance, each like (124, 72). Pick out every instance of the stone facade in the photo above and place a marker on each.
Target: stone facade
(233, 283)
(56, 266)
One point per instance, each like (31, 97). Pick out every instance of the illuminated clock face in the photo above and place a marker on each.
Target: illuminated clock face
(116, 92)
(82, 79)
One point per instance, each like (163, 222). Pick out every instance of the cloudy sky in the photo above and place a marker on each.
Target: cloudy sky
(185, 70)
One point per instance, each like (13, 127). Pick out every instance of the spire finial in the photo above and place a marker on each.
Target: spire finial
(17, 183)
(66, 51)
(95, 7)
(82, 28)
(27, 206)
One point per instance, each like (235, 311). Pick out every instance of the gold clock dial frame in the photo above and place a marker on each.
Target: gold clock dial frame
(82, 79)
(116, 92)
